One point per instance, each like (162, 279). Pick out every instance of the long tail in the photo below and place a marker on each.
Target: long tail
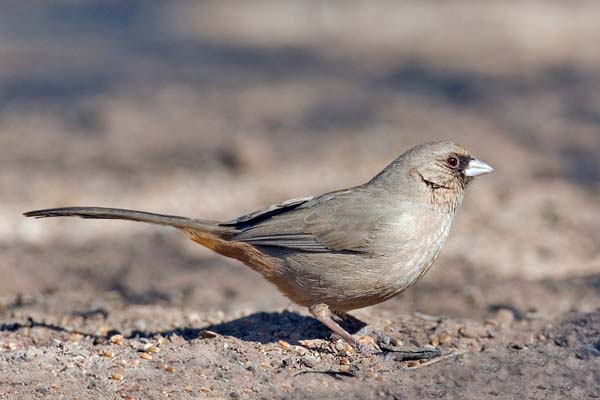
(131, 215)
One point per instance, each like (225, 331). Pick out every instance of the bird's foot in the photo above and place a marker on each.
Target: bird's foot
(362, 344)
(409, 353)
(366, 345)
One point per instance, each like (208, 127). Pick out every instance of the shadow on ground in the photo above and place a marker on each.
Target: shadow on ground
(261, 327)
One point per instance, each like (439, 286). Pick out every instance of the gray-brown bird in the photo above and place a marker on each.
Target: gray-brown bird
(342, 250)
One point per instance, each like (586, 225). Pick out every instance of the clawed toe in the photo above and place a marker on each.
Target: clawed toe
(411, 353)
(366, 349)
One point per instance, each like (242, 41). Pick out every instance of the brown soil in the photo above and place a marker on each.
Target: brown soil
(177, 109)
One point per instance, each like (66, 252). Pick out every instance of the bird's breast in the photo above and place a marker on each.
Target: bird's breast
(417, 244)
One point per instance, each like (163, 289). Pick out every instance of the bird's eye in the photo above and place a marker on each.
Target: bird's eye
(452, 162)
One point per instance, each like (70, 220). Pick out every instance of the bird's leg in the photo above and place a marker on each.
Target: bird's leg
(352, 323)
(403, 353)
(323, 314)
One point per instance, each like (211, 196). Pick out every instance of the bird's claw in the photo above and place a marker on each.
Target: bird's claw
(411, 353)
(366, 345)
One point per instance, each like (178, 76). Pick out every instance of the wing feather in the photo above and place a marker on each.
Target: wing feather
(337, 221)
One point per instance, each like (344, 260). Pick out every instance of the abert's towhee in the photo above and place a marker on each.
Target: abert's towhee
(342, 250)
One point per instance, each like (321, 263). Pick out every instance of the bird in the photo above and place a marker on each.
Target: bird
(342, 250)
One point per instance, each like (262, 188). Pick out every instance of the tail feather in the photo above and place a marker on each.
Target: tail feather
(130, 215)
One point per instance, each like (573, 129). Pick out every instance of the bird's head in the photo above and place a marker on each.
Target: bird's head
(440, 170)
(445, 165)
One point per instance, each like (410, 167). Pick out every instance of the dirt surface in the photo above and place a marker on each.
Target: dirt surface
(214, 109)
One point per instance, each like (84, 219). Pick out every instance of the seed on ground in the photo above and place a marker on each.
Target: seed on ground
(344, 361)
(145, 356)
(413, 363)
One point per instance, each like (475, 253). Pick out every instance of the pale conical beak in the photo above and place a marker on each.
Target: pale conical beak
(476, 168)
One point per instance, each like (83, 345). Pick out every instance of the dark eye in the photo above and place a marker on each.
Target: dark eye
(452, 162)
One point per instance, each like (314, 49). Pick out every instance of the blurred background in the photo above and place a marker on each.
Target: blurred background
(213, 109)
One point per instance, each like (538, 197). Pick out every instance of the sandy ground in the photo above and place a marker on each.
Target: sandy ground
(216, 109)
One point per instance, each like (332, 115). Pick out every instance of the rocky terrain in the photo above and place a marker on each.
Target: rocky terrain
(216, 109)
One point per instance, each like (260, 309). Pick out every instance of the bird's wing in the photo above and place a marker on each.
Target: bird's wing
(254, 218)
(338, 221)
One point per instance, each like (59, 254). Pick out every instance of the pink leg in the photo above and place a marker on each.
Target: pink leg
(323, 314)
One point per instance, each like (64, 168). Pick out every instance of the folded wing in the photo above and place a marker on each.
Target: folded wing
(336, 221)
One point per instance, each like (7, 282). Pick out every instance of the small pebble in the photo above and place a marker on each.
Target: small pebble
(99, 340)
(505, 316)
(283, 344)
(371, 374)
(344, 368)
(116, 377)
(206, 334)
(463, 331)
(541, 337)
(309, 361)
(444, 337)
(343, 348)
(116, 339)
(75, 337)
(412, 363)
(149, 347)
(176, 339)
(311, 343)
(250, 366)
(107, 354)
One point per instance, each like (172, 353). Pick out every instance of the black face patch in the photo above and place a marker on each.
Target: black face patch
(463, 163)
